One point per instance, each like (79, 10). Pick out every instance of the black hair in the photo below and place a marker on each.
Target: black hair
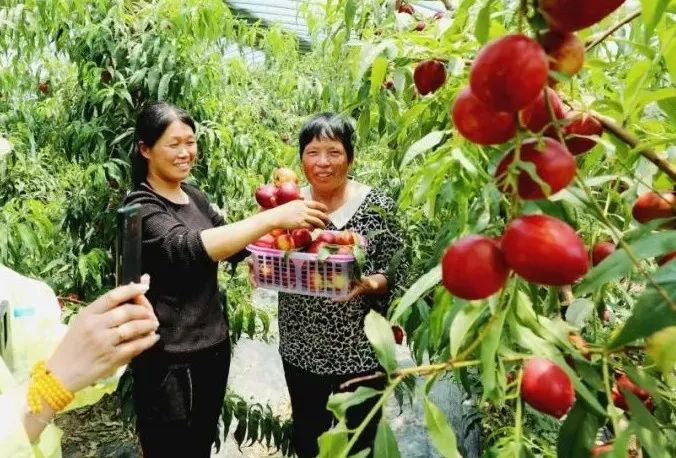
(328, 126)
(151, 123)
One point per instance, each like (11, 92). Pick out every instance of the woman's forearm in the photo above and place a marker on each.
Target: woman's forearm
(224, 241)
(35, 423)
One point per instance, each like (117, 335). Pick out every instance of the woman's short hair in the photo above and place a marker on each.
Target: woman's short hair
(328, 126)
(151, 123)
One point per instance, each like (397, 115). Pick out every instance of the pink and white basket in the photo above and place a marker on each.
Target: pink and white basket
(302, 273)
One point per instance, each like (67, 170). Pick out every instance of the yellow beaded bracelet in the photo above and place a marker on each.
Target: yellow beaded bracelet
(45, 386)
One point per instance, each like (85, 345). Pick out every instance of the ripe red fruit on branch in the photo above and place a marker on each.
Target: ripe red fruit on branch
(398, 334)
(546, 387)
(536, 115)
(428, 76)
(554, 165)
(544, 250)
(43, 87)
(601, 251)
(474, 267)
(284, 175)
(266, 196)
(565, 51)
(651, 205)
(571, 15)
(478, 122)
(581, 124)
(420, 26)
(406, 8)
(509, 73)
(287, 192)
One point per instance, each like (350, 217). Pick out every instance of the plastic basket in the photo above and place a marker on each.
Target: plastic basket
(302, 273)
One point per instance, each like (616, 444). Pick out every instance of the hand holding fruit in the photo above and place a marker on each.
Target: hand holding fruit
(373, 284)
(299, 213)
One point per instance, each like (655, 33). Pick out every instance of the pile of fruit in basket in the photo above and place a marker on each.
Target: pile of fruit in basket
(335, 242)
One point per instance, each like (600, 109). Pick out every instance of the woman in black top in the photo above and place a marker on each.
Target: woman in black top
(322, 341)
(179, 384)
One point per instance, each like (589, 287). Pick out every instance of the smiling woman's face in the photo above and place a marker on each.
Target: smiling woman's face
(325, 164)
(173, 154)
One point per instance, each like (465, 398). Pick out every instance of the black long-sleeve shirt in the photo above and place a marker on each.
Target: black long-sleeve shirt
(183, 278)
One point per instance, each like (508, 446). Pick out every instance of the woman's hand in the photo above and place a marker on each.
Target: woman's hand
(373, 284)
(105, 335)
(299, 213)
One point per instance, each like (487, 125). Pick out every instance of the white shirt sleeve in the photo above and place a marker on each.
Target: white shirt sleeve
(13, 437)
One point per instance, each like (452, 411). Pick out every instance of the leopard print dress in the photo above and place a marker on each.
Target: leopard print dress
(327, 337)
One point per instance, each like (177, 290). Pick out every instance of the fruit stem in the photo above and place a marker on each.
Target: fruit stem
(606, 383)
(595, 41)
(357, 432)
(631, 140)
(624, 245)
(554, 120)
(518, 420)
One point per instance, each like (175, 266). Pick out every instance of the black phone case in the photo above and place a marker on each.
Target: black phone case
(128, 249)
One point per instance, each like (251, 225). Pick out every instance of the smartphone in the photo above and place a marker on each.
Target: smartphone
(128, 247)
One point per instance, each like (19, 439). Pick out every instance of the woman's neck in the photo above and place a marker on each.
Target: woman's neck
(332, 198)
(168, 189)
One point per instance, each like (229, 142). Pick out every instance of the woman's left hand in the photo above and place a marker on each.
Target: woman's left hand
(373, 284)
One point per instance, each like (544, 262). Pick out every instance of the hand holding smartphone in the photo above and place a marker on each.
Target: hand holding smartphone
(128, 247)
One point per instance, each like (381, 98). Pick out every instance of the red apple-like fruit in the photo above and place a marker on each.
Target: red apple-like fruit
(278, 231)
(651, 205)
(572, 15)
(581, 124)
(420, 26)
(284, 175)
(601, 251)
(315, 246)
(43, 87)
(536, 115)
(428, 76)
(509, 73)
(301, 237)
(345, 250)
(625, 382)
(389, 84)
(599, 450)
(327, 237)
(553, 164)
(285, 242)
(347, 238)
(666, 258)
(266, 196)
(439, 15)
(267, 241)
(565, 51)
(546, 387)
(478, 122)
(474, 268)
(398, 333)
(544, 250)
(286, 192)
(406, 8)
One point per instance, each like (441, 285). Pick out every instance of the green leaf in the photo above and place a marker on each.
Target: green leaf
(339, 403)
(463, 323)
(651, 12)
(579, 312)
(385, 445)
(483, 22)
(426, 143)
(368, 55)
(378, 71)
(578, 431)
(441, 434)
(163, 87)
(420, 287)
(333, 443)
(652, 312)
(350, 11)
(489, 349)
(618, 263)
(379, 332)
(633, 84)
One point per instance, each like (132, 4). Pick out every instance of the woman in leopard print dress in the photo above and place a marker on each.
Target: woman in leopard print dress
(322, 341)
